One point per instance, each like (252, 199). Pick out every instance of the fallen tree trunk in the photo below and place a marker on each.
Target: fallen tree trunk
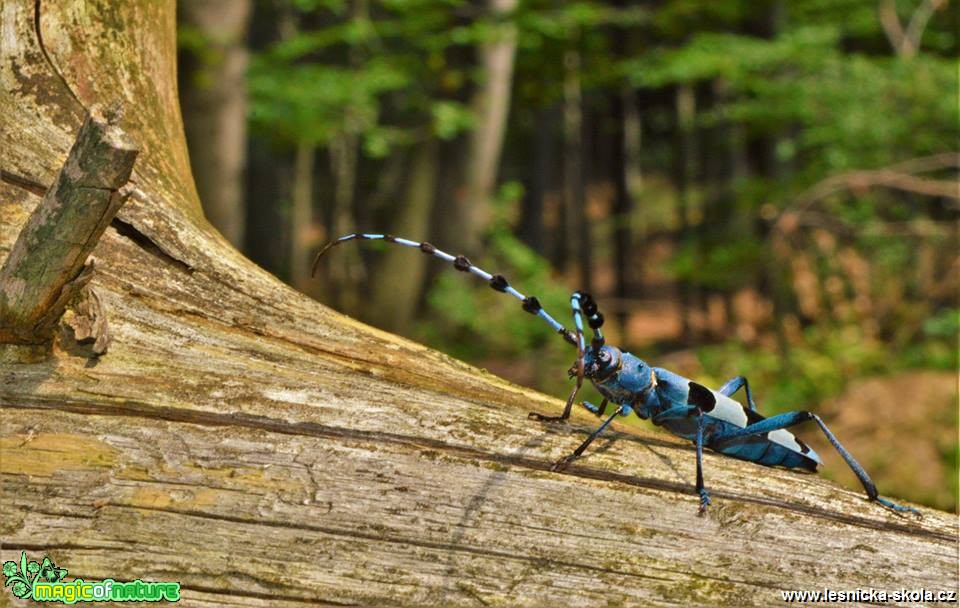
(262, 449)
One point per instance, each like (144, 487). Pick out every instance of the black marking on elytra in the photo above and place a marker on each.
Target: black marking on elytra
(804, 448)
(595, 321)
(702, 397)
(461, 263)
(531, 304)
(499, 282)
(753, 416)
(427, 247)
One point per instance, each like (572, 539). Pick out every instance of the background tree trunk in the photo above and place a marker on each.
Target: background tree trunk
(214, 99)
(543, 153)
(264, 450)
(684, 161)
(576, 232)
(491, 106)
(399, 279)
(301, 216)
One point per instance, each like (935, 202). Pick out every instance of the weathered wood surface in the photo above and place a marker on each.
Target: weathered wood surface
(266, 451)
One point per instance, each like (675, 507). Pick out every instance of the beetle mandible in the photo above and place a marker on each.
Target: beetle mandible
(708, 418)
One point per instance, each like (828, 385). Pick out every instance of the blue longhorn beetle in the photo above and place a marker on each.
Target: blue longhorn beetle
(690, 410)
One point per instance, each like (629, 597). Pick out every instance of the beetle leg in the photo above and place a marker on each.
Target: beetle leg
(566, 410)
(599, 411)
(733, 385)
(783, 421)
(564, 462)
(701, 490)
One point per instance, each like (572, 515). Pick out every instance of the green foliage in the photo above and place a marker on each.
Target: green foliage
(820, 364)
(450, 118)
(737, 59)
(473, 321)
(314, 103)
(828, 87)
(382, 74)
(944, 326)
(936, 347)
(848, 110)
(727, 264)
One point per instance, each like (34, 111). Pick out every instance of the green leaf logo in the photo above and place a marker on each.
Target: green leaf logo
(23, 577)
(51, 573)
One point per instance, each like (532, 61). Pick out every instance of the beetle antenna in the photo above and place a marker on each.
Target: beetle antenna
(497, 282)
(575, 301)
(583, 303)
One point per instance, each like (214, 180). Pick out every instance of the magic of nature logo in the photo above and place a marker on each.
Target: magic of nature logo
(43, 582)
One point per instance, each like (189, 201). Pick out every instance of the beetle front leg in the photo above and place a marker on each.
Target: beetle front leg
(564, 462)
(566, 410)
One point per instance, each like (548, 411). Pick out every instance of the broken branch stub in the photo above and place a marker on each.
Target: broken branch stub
(47, 266)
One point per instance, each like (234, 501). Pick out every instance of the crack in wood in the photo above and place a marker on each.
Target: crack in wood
(128, 408)
(143, 241)
(23, 183)
(47, 547)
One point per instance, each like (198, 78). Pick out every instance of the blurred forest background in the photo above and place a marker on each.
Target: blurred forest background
(766, 188)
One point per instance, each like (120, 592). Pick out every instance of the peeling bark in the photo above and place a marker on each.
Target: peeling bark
(264, 450)
(47, 266)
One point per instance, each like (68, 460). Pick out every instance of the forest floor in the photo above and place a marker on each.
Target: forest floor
(903, 429)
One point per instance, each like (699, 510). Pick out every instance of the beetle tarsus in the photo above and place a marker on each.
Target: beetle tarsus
(704, 502)
(563, 463)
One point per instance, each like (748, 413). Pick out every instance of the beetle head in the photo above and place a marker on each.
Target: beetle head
(598, 363)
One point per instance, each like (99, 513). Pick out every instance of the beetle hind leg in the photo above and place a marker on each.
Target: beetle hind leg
(783, 421)
(733, 385)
